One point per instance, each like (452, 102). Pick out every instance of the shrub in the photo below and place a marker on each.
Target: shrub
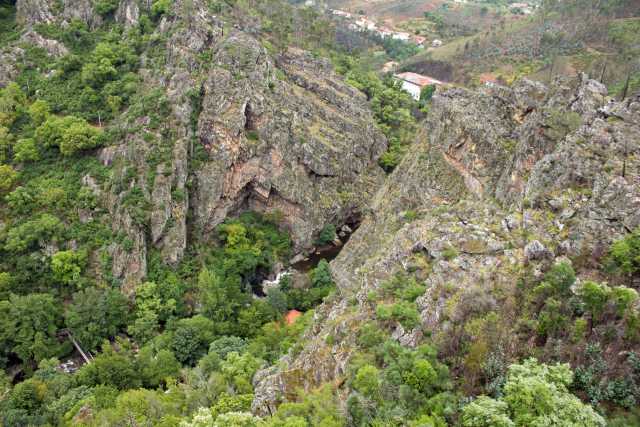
(626, 252)
(450, 253)
(595, 296)
(327, 234)
(578, 330)
(561, 277)
(383, 312)
(227, 344)
(127, 244)
(277, 299)
(322, 276)
(371, 335)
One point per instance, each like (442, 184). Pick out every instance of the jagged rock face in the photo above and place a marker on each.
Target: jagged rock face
(53, 47)
(287, 143)
(8, 62)
(31, 12)
(315, 134)
(474, 145)
(574, 205)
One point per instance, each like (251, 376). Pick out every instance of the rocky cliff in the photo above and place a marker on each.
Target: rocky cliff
(246, 130)
(495, 188)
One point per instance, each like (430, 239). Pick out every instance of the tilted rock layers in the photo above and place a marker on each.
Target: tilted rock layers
(485, 148)
(304, 142)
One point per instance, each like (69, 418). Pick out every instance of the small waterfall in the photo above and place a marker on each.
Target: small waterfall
(269, 283)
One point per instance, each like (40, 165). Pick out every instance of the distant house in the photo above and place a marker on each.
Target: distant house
(436, 43)
(418, 39)
(353, 27)
(309, 3)
(388, 66)
(365, 24)
(347, 14)
(413, 83)
(459, 1)
(401, 36)
(384, 29)
(388, 21)
(485, 79)
(526, 11)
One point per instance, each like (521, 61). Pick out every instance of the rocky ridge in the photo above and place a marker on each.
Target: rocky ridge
(280, 132)
(483, 178)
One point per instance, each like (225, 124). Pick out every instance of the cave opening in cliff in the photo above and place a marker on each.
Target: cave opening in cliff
(251, 119)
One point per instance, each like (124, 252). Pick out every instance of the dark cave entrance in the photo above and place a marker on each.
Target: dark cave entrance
(252, 120)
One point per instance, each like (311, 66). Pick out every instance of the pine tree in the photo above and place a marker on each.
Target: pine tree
(322, 276)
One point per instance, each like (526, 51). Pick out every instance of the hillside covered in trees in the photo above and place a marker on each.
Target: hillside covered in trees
(173, 175)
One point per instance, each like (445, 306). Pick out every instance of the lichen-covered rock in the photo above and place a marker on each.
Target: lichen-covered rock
(52, 47)
(463, 134)
(304, 143)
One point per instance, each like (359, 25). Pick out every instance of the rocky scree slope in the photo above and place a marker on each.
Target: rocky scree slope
(530, 199)
(280, 132)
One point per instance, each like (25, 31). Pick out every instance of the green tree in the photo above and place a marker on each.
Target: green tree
(67, 264)
(77, 28)
(25, 396)
(218, 297)
(94, 315)
(144, 328)
(105, 6)
(327, 234)
(71, 134)
(110, 369)
(7, 177)
(155, 369)
(25, 150)
(367, 380)
(486, 412)
(39, 112)
(322, 276)
(595, 296)
(626, 252)
(6, 139)
(187, 344)
(561, 277)
(149, 300)
(277, 299)
(188, 11)
(624, 298)
(535, 395)
(228, 344)
(19, 200)
(427, 92)
(28, 323)
(238, 367)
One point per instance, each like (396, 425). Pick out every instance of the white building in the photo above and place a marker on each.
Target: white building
(401, 36)
(436, 43)
(309, 3)
(413, 83)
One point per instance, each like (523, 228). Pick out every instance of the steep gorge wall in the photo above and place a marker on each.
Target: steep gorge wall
(486, 148)
(304, 142)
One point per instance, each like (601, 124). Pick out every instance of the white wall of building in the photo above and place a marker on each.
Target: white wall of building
(413, 89)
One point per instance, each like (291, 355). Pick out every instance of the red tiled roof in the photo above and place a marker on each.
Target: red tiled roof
(418, 79)
(291, 316)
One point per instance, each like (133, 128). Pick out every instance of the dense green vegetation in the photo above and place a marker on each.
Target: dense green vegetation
(184, 347)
